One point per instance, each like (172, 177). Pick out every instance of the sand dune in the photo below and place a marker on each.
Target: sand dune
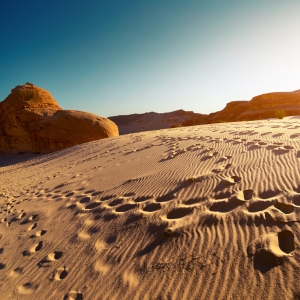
(204, 212)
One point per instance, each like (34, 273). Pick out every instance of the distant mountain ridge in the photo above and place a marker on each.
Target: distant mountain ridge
(259, 107)
(152, 120)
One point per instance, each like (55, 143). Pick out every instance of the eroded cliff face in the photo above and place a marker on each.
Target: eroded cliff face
(32, 121)
(275, 100)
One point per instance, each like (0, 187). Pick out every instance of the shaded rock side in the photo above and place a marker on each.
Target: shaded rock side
(32, 121)
(231, 111)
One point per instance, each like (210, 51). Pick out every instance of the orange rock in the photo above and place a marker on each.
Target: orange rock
(32, 121)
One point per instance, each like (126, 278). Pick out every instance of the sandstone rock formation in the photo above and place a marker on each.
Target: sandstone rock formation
(260, 107)
(32, 121)
(265, 105)
(230, 112)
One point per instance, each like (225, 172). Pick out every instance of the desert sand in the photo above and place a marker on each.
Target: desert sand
(203, 212)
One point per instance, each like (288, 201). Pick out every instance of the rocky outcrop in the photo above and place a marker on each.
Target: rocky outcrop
(264, 106)
(275, 100)
(32, 121)
(230, 112)
(260, 107)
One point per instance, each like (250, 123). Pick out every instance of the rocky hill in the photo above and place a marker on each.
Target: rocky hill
(32, 121)
(152, 120)
(259, 107)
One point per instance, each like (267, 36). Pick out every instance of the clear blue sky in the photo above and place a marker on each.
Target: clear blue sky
(117, 57)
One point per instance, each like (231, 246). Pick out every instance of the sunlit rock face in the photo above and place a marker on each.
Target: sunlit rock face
(260, 107)
(275, 100)
(265, 105)
(32, 121)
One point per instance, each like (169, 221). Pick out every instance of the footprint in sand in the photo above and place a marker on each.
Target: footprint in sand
(125, 207)
(21, 215)
(152, 207)
(228, 166)
(259, 206)
(27, 288)
(84, 235)
(16, 272)
(194, 201)
(231, 180)
(273, 248)
(96, 193)
(262, 143)
(60, 273)
(254, 147)
(108, 197)
(29, 219)
(284, 208)
(93, 205)
(51, 257)
(278, 134)
(31, 227)
(41, 232)
(115, 202)
(225, 206)
(73, 295)
(288, 147)
(221, 168)
(267, 195)
(70, 194)
(37, 247)
(166, 198)
(85, 200)
(218, 170)
(243, 195)
(142, 199)
(207, 156)
(179, 213)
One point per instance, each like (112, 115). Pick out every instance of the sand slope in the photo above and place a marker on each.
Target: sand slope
(205, 212)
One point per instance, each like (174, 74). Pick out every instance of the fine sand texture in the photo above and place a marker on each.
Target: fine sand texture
(203, 212)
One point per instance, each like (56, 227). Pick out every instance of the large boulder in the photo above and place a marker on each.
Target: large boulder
(32, 121)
